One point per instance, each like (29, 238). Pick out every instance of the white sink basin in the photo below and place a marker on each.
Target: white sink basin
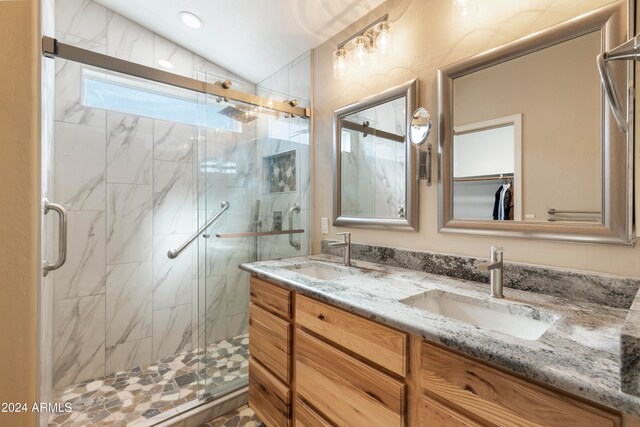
(511, 319)
(321, 270)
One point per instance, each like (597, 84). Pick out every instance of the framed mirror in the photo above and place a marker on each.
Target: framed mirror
(528, 147)
(374, 164)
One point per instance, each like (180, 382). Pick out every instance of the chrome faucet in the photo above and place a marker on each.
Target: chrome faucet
(495, 267)
(346, 245)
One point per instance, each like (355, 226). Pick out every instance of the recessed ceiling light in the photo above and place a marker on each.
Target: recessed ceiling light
(165, 64)
(191, 20)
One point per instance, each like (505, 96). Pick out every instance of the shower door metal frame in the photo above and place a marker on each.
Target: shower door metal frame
(52, 48)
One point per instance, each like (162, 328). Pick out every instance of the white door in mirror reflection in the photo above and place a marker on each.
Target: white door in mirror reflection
(487, 175)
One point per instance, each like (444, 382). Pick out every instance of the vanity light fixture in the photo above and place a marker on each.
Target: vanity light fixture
(191, 20)
(340, 62)
(363, 44)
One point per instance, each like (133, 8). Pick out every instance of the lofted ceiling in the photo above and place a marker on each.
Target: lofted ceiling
(251, 38)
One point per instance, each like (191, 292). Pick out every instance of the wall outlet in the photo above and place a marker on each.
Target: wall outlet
(324, 225)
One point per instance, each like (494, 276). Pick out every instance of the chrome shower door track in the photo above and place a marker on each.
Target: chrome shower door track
(52, 48)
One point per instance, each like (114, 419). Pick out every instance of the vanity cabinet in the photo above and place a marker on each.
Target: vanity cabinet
(313, 364)
(270, 347)
(486, 395)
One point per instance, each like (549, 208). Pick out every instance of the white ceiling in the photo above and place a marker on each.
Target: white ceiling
(251, 38)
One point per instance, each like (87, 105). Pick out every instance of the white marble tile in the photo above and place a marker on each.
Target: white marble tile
(181, 59)
(129, 223)
(213, 309)
(210, 175)
(174, 141)
(128, 310)
(128, 40)
(172, 197)
(79, 166)
(238, 286)
(84, 271)
(300, 79)
(171, 277)
(68, 96)
(204, 68)
(171, 331)
(81, 43)
(241, 154)
(84, 19)
(237, 324)
(129, 149)
(78, 343)
(128, 355)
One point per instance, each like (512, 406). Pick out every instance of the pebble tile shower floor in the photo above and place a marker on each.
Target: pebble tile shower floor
(241, 417)
(129, 397)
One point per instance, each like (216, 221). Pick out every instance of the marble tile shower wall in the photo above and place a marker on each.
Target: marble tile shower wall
(280, 135)
(130, 184)
(375, 165)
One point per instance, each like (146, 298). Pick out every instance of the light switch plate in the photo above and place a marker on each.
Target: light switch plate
(324, 225)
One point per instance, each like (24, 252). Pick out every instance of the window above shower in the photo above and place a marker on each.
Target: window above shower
(130, 95)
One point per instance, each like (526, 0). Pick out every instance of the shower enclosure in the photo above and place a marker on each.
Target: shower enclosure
(167, 184)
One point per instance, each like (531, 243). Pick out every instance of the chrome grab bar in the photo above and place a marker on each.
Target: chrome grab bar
(173, 253)
(258, 233)
(62, 236)
(295, 208)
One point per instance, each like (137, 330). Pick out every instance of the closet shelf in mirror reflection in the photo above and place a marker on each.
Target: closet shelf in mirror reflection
(366, 130)
(484, 177)
(573, 216)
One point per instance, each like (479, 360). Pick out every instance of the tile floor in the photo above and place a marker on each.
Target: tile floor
(241, 417)
(128, 397)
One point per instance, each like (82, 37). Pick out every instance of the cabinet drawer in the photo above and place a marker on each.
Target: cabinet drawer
(500, 398)
(307, 417)
(434, 414)
(380, 344)
(270, 341)
(268, 397)
(271, 297)
(345, 390)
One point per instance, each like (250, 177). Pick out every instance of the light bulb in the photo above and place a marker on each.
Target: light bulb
(383, 40)
(360, 51)
(340, 62)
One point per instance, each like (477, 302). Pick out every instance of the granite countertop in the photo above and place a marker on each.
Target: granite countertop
(579, 354)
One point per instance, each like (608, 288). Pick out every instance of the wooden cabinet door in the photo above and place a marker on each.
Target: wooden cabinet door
(347, 391)
(380, 344)
(268, 397)
(503, 399)
(271, 297)
(307, 417)
(434, 414)
(270, 341)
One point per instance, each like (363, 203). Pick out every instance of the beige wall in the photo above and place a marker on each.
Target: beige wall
(561, 78)
(425, 38)
(19, 117)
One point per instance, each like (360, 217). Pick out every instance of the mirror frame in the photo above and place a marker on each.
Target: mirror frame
(617, 147)
(410, 91)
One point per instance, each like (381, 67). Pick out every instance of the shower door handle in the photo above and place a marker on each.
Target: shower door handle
(62, 236)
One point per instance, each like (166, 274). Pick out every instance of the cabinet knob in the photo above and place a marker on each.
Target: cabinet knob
(321, 316)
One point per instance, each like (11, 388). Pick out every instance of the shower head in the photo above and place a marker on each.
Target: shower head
(238, 114)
